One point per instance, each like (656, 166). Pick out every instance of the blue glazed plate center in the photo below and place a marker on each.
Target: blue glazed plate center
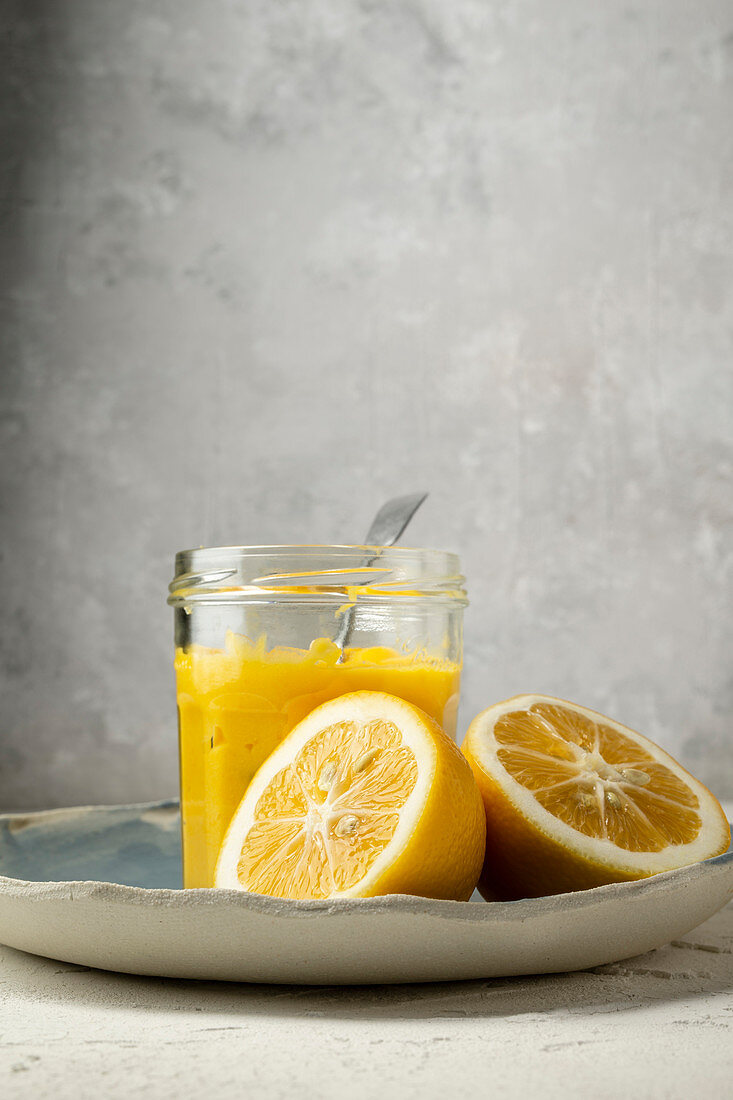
(133, 845)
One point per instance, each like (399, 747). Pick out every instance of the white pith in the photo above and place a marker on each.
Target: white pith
(601, 778)
(361, 708)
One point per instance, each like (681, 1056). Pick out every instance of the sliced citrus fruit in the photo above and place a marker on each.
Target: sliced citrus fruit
(365, 796)
(575, 800)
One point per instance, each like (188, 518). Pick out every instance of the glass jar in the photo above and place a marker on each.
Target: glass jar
(264, 634)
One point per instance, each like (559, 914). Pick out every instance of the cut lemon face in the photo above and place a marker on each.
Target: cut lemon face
(575, 800)
(365, 796)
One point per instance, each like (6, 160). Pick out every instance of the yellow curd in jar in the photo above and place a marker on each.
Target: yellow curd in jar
(236, 704)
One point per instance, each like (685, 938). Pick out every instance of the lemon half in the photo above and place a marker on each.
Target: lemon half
(575, 800)
(365, 796)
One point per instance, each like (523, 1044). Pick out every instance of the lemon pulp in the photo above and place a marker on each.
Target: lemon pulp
(324, 820)
(597, 779)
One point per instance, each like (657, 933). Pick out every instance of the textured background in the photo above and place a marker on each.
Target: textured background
(266, 263)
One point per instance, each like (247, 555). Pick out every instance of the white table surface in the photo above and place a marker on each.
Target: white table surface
(659, 1025)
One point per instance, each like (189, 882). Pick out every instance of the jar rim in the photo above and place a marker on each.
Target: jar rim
(219, 574)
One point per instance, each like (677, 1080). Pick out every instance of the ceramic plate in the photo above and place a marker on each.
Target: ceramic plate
(120, 907)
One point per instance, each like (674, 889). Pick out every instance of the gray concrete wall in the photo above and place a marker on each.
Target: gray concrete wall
(266, 263)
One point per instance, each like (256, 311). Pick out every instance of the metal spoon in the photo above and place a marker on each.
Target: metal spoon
(386, 527)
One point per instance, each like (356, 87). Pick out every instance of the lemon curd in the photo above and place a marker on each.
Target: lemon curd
(237, 703)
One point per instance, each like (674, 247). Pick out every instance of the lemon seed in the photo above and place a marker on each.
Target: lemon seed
(347, 825)
(365, 760)
(613, 800)
(326, 776)
(635, 776)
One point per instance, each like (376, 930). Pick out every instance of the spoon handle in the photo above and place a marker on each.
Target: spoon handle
(385, 529)
(392, 518)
